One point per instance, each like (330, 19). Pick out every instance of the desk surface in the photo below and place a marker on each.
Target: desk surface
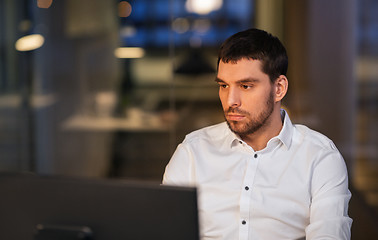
(92, 123)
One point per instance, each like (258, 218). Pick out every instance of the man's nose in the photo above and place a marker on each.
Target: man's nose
(233, 98)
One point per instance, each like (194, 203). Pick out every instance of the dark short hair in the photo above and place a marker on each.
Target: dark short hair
(258, 45)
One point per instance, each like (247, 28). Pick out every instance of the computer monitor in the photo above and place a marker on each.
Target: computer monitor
(50, 207)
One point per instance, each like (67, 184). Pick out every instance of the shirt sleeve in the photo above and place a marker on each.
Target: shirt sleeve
(179, 170)
(330, 198)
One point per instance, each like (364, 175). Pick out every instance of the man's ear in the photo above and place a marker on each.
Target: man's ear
(281, 85)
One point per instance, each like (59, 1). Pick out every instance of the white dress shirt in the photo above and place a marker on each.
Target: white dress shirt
(295, 188)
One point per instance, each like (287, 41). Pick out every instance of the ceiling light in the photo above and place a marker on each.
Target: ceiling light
(203, 7)
(129, 52)
(30, 42)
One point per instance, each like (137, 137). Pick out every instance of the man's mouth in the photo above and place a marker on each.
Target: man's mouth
(234, 117)
(234, 114)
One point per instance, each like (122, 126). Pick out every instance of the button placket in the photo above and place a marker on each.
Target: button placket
(246, 191)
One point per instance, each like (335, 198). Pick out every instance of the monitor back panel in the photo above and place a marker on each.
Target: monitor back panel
(110, 209)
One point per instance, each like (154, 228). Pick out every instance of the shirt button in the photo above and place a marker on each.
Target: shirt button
(246, 188)
(255, 156)
(244, 222)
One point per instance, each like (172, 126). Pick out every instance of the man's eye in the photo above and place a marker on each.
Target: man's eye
(223, 85)
(246, 86)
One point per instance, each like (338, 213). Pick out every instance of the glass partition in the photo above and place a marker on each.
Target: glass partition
(108, 88)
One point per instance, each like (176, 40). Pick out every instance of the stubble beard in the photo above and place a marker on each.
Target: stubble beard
(255, 123)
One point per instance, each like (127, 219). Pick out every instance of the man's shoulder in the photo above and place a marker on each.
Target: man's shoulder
(314, 137)
(212, 133)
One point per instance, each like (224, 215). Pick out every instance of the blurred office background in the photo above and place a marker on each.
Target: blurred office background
(107, 89)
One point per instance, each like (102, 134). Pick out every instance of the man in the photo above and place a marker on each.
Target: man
(258, 175)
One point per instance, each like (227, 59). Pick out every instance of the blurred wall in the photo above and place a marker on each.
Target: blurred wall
(75, 63)
(320, 37)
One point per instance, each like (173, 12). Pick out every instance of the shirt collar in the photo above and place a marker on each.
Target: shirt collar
(284, 136)
(232, 139)
(286, 133)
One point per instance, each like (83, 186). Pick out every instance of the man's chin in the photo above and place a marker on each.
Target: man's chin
(236, 126)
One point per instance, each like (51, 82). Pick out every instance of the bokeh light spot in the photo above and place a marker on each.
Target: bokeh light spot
(124, 9)
(44, 3)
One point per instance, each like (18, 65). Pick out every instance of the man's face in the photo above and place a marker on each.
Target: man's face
(246, 94)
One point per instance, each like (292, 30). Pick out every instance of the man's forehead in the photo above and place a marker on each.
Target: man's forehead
(248, 63)
(242, 59)
(242, 69)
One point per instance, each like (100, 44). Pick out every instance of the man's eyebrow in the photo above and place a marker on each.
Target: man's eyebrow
(246, 80)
